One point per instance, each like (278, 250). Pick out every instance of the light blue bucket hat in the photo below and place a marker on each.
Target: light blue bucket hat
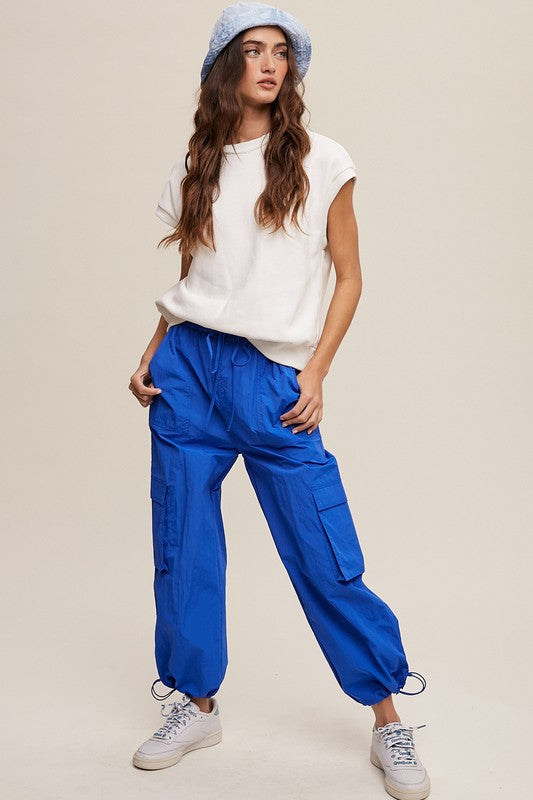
(241, 16)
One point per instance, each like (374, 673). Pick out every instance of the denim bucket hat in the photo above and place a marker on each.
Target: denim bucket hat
(241, 16)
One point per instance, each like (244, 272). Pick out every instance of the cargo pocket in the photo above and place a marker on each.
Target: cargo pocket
(170, 411)
(336, 518)
(158, 493)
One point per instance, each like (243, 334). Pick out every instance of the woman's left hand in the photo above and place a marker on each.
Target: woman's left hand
(306, 414)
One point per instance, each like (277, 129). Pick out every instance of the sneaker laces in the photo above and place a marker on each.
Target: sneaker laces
(398, 739)
(179, 715)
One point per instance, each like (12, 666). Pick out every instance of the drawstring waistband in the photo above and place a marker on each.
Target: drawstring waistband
(240, 343)
(420, 678)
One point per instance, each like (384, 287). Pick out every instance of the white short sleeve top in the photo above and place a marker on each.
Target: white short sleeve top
(268, 287)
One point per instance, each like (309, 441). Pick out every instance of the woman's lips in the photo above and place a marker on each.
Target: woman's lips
(267, 84)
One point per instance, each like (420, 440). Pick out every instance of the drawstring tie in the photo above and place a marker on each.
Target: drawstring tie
(420, 678)
(160, 696)
(184, 699)
(240, 343)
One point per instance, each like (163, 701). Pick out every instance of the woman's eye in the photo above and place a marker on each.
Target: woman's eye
(255, 50)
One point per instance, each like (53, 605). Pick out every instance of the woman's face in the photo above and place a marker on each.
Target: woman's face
(265, 56)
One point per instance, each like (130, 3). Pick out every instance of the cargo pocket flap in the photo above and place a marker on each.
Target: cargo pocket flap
(158, 489)
(337, 523)
(158, 493)
(331, 495)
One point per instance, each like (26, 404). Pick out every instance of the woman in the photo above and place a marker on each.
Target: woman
(260, 207)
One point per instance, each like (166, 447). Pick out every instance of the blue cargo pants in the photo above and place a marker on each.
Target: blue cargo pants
(222, 397)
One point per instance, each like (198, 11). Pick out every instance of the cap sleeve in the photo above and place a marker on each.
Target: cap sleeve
(341, 169)
(168, 208)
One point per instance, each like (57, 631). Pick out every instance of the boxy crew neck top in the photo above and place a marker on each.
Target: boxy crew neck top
(268, 287)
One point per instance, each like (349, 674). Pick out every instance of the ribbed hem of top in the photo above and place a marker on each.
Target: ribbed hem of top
(292, 355)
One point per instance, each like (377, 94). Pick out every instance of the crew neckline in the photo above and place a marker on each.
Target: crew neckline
(244, 147)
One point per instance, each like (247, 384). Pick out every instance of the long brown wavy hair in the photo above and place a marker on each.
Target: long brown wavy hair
(218, 115)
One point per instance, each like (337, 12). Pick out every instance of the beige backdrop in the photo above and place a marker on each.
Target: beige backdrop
(427, 405)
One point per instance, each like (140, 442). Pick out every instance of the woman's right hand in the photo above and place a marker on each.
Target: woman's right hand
(141, 385)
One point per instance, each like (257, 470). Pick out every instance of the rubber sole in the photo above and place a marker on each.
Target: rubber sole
(143, 762)
(401, 794)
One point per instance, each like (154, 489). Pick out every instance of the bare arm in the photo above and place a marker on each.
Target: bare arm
(343, 238)
(343, 241)
(155, 341)
(141, 384)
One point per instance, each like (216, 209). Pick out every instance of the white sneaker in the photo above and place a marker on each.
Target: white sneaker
(393, 751)
(186, 728)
